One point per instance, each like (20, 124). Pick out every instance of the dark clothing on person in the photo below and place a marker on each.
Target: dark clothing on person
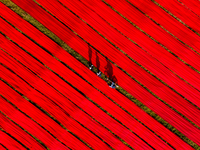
(99, 73)
(112, 85)
(90, 66)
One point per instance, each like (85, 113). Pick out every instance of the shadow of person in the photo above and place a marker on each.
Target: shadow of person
(90, 55)
(114, 79)
(97, 62)
(108, 70)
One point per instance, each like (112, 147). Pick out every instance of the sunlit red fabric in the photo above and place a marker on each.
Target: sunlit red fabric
(60, 92)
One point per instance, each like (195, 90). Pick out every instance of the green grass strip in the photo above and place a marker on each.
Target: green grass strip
(145, 70)
(132, 59)
(153, 76)
(64, 96)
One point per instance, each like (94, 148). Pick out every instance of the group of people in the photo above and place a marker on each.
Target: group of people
(110, 80)
(98, 73)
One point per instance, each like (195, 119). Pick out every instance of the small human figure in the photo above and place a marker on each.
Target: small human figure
(112, 82)
(90, 61)
(112, 85)
(98, 65)
(90, 57)
(99, 73)
(90, 66)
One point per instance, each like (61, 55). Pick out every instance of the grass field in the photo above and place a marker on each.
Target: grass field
(50, 99)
